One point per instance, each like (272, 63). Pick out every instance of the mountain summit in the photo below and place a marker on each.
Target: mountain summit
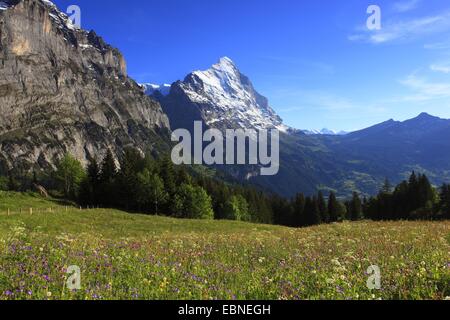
(222, 97)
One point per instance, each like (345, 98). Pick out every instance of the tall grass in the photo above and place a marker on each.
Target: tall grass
(127, 256)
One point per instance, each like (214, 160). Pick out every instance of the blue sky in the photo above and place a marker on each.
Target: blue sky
(315, 60)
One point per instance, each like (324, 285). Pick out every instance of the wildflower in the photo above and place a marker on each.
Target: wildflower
(49, 294)
(336, 262)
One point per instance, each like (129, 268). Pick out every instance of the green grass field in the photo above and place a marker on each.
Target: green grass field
(125, 256)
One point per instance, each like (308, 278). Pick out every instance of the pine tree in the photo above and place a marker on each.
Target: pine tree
(333, 207)
(299, 210)
(109, 168)
(107, 187)
(167, 173)
(90, 185)
(263, 213)
(371, 210)
(413, 193)
(401, 205)
(422, 198)
(387, 187)
(168, 176)
(130, 165)
(355, 207)
(312, 213)
(426, 193)
(282, 211)
(182, 176)
(444, 202)
(93, 171)
(323, 210)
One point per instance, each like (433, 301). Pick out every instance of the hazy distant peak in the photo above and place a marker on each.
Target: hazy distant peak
(325, 132)
(151, 88)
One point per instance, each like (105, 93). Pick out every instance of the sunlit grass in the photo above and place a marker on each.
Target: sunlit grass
(124, 256)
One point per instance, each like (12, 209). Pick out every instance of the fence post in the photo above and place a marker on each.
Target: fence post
(8, 212)
(31, 211)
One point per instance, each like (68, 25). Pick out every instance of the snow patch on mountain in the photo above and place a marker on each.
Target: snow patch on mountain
(62, 19)
(6, 4)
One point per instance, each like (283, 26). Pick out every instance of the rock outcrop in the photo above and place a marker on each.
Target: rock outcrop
(63, 89)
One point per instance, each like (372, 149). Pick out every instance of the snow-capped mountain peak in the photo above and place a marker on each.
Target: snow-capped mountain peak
(226, 66)
(228, 98)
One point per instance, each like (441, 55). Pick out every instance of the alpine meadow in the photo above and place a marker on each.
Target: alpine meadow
(139, 159)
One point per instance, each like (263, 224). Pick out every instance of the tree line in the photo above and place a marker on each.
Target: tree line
(138, 183)
(155, 186)
(413, 199)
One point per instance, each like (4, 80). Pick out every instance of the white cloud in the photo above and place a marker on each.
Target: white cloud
(330, 103)
(444, 68)
(318, 100)
(437, 45)
(405, 6)
(405, 30)
(424, 89)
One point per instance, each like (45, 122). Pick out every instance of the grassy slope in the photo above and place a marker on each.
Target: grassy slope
(125, 256)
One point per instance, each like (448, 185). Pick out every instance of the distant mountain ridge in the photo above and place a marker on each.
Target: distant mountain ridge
(325, 131)
(222, 97)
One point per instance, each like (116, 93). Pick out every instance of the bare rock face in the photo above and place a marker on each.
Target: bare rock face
(63, 89)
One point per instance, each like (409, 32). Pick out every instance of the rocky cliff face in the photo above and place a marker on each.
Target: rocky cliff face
(63, 89)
